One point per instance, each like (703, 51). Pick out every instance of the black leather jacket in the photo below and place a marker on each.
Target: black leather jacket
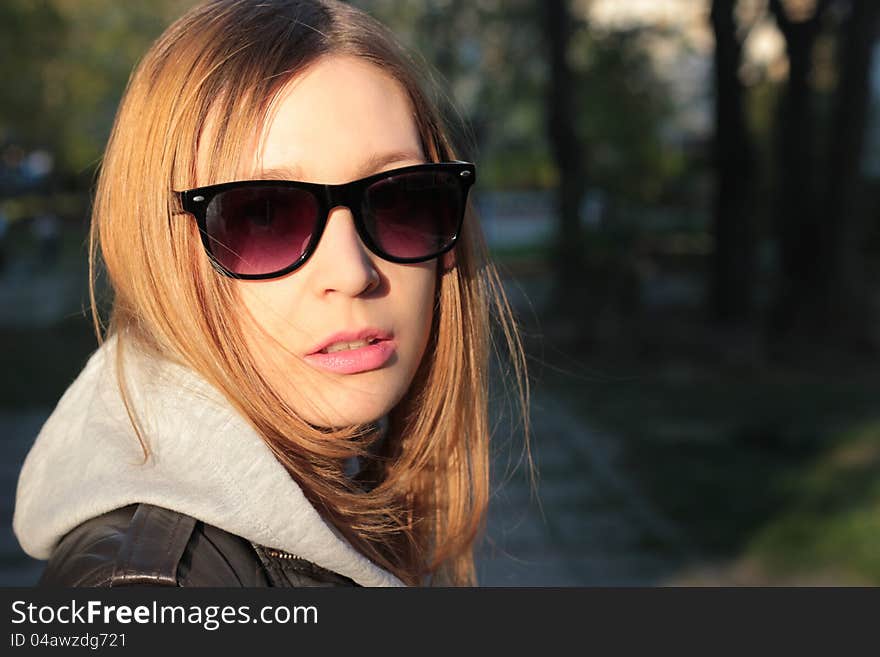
(147, 545)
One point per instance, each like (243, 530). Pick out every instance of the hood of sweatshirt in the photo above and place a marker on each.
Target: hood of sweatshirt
(206, 461)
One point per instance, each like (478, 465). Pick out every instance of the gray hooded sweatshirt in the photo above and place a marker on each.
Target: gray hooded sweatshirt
(206, 461)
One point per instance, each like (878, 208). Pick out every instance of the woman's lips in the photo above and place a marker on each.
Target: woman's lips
(352, 361)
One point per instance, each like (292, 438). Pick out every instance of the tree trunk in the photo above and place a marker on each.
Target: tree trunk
(797, 310)
(568, 252)
(846, 294)
(733, 261)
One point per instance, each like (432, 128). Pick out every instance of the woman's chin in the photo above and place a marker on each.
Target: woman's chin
(339, 406)
(354, 416)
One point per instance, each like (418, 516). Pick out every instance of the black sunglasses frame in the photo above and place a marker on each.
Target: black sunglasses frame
(350, 195)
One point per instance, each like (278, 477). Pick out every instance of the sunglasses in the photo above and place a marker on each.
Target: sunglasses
(259, 229)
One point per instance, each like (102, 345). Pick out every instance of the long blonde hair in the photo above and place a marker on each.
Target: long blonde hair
(229, 59)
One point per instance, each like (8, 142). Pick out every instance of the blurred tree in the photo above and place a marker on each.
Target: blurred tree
(493, 57)
(798, 308)
(32, 33)
(848, 297)
(65, 65)
(733, 225)
(630, 153)
(488, 56)
(568, 153)
(823, 296)
(508, 111)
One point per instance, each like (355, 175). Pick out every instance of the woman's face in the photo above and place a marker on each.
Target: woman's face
(341, 120)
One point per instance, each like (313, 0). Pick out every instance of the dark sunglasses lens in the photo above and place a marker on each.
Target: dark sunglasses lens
(260, 230)
(414, 215)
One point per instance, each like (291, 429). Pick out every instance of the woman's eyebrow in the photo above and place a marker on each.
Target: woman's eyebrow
(371, 165)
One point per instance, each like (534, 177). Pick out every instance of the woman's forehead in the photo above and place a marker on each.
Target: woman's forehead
(341, 111)
(333, 121)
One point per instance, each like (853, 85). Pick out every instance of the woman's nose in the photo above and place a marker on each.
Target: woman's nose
(341, 262)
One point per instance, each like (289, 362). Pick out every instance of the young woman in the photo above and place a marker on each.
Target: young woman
(292, 388)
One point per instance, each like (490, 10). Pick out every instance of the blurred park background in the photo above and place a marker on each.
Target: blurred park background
(682, 196)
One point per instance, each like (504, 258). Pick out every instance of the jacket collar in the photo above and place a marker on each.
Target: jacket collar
(206, 461)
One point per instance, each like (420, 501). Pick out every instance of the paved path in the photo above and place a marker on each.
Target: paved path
(588, 525)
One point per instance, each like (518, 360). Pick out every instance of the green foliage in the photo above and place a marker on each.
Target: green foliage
(771, 466)
(32, 34)
(833, 522)
(64, 67)
(491, 56)
(624, 107)
(487, 60)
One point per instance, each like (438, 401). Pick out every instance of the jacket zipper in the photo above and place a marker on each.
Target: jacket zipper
(280, 554)
(288, 556)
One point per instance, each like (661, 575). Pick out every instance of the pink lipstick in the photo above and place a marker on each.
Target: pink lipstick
(373, 355)
(352, 361)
